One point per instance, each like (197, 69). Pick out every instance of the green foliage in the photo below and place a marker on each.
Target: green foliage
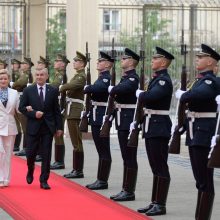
(56, 37)
(155, 34)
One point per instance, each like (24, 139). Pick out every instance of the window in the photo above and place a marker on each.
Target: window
(111, 20)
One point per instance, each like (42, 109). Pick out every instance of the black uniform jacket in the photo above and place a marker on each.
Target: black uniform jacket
(124, 93)
(99, 93)
(201, 98)
(158, 97)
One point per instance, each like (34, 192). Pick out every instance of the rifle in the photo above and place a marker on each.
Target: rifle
(175, 142)
(138, 114)
(83, 126)
(107, 123)
(63, 94)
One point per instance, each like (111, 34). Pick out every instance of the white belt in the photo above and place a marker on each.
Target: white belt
(95, 104)
(125, 106)
(193, 115)
(70, 101)
(150, 112)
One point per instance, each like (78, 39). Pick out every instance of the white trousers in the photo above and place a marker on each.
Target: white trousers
(7, 145)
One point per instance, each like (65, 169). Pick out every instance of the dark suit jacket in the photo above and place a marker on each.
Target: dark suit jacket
(52, 116)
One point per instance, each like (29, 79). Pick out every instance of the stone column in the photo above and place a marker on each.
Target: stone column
(82, 27)
(36, 29)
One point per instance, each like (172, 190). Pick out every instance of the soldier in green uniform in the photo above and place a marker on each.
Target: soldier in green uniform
(75, 97)
(15, 74)
(59, 78)
(3, 64)
(22, 82)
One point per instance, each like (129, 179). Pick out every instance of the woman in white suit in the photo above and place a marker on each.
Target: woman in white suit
(9, 102)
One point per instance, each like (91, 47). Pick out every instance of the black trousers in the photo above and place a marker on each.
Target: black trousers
(202, 174)
(44, 139)
(157, 152)
(129, 154)
(102, 144)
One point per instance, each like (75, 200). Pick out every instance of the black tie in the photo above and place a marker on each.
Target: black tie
(41, 96)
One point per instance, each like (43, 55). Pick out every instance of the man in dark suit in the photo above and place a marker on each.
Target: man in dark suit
(39, 104)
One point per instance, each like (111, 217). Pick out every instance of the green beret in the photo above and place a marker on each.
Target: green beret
(27, 60)
(15, 61)
(43, 60)
(3, 62)
(62, 58)
(80, 56)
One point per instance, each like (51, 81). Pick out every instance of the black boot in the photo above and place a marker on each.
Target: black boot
(102, 177)
(22, 152)
(17, 142)
(118, 194)
(59, 158)
(78, 162)
(159, 205)
(205, 206)
(153, 196)
(129, 186)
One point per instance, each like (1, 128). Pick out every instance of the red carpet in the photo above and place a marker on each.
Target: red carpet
(66, 200)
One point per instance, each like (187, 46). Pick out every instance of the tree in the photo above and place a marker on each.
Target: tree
(56, 36)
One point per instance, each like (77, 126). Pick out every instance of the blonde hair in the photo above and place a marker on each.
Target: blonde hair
(5, 72)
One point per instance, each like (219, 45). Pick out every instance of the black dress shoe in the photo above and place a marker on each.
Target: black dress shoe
(44, 186)
(29, 177)
(74, 174)
(98, 184)
(57, 165)
(38, 158)
(125, 196)
(21, 153)
(157, 209)
(16, 149)
(145, 209)
(116, 195)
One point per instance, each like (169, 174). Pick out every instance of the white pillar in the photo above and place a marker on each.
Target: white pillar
(82, 27)
(37, 29)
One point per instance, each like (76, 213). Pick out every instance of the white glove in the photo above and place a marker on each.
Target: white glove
(217, 99)
(138, 92)
(110, 88)
(213, 141)
(132, 125)
(60, 87)
(82, 113)
(85, 87)
(11, 84)
(179, 93)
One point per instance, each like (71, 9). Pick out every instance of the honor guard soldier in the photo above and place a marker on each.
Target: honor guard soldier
(60, 78)
(157, 129)
(43, 63)
(99, 95)
(201, 124)
(3, 64)
(15, 74)
(124, 95)
(23, 81)
(74, 99)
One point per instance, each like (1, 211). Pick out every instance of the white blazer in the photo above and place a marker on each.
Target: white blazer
(7, 120)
